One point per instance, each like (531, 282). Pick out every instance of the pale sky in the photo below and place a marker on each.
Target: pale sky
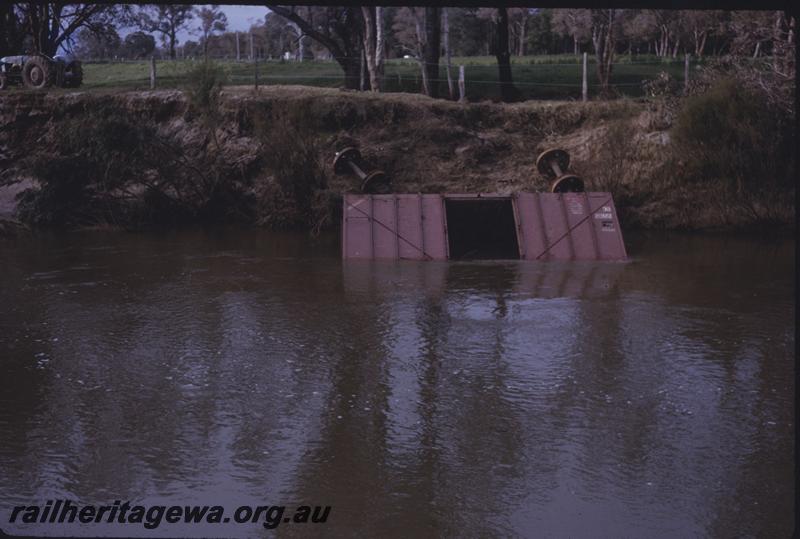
(239, 18)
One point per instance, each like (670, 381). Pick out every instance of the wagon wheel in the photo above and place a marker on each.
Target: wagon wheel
(37, 73)
(568, 183)
(552, 163)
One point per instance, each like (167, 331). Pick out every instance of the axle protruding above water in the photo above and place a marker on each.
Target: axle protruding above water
(348, 161)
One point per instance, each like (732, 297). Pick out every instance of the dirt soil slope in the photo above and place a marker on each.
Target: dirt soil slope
(424, 145)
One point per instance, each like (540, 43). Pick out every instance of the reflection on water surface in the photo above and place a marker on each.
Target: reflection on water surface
(651, 399)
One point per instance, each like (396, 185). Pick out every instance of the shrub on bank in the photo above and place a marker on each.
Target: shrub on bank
(730, 140)
(84, 177)
(103, 167)
(291, 155)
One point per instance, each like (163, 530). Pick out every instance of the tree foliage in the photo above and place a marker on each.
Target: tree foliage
(53, 24)
(212, 21)
(167, 20)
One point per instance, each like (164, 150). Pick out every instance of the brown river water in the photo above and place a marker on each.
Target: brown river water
(652, 398)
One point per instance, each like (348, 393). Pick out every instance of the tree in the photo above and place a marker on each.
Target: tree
(51, 24)
(167, 20)
(500, 48)
(699, 25)
(97, 46)
(540, 37)
(783, 48)
(432, 47)
(338, 29)
(446, 38)
(274, 35)
(190, 49)
(669, 25)
(414, 28)
(605, 30)
(575, 23)
(518, 25)
(508, 91)
(752, 31)
(10, 30)
(374, 44)
(468, 32)
(212, 20)
(640, 28)
(138, 45)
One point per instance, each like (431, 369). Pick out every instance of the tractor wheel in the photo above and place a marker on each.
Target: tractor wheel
(3, 81)
(73, 75)
(37, 73)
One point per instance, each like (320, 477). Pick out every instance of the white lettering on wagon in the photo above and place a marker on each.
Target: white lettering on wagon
(575, 207)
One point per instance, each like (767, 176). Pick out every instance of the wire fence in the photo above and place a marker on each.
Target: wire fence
(471, 81)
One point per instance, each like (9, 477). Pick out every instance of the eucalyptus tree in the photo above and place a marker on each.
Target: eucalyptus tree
(212, 20)
(53, 24)
(167, 20)
(338, 29)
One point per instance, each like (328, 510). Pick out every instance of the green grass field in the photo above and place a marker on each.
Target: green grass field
(537, 77)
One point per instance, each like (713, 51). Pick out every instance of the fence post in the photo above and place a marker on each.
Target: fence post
(585, 85)
(255, 64)
(462, 90)
(686, 74)
(153, 72)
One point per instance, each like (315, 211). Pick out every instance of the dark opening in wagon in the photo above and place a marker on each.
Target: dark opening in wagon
(479, 228)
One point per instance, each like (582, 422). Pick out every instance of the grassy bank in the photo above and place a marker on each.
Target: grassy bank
(139, 159)
(537, 77)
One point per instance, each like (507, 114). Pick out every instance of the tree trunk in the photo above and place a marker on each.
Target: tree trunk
(373, 45)
(172, 40)
(446, 25)
(605, 42)
(664, 45)
(523, 29)
(783, 50)
(508, 91)
(301, 46)
(700, 42)
(346, 51)
(433, 33)
(421, 49)
(370, 38)
(352, 72)
(575, 45)
(380, 45)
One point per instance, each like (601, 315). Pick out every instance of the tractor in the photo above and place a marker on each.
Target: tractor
(38, 71)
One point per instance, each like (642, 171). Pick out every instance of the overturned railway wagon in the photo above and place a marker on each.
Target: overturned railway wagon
(527, 226)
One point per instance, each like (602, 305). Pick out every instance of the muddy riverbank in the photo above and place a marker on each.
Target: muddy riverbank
(142, 158)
